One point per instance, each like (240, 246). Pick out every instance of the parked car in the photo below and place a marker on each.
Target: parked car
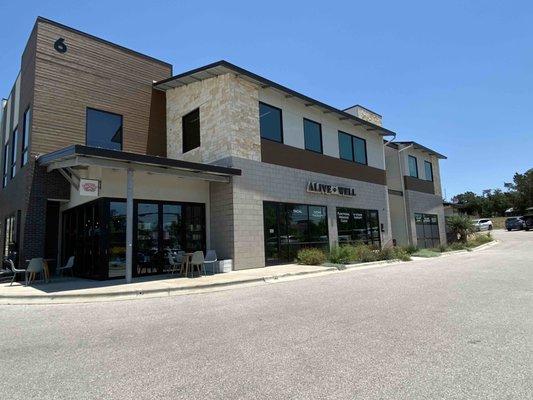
(528, 221)
(514, 223)
(483, 224)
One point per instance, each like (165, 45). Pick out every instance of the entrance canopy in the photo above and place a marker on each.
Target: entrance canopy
(70, 159)
(78, 156)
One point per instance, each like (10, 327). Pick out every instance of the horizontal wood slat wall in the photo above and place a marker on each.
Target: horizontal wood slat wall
(288, 156)
(92, 74)
(419, 185)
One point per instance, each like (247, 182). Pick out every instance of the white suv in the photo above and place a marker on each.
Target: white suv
(483, 224)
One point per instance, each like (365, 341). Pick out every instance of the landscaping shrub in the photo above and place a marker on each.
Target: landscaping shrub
(343, 254)
(426, 253)
(365, 253)
(456, 246)
(401, 254)
(361, 253)
(461, 226)
(409, 249)
(479, 239)
(311, 256)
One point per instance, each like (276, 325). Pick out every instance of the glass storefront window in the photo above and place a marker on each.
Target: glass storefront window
(117, 239)
(290, 227)
(95, 233)
(172, 227)
(147, 249)
(358, 225)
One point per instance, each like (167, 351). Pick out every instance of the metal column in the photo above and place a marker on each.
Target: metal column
(129, 226)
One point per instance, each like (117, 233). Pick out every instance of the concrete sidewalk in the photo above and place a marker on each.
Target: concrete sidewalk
(74, 290)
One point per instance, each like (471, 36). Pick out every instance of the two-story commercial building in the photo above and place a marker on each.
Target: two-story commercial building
(108, 157)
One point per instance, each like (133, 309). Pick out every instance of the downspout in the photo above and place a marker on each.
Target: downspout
(406, 215)
(387, 194)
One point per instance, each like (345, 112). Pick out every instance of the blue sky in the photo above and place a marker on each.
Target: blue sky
(456, 76)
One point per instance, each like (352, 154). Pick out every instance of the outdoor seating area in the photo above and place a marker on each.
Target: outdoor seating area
(181, 264)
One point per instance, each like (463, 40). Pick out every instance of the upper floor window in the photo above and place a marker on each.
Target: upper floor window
(413, 166)
(104, 129)
(6, 165)
(352, 148)
(270, 124)
(429, 170)
(25, 137)
(313, 136)
(14, 147)
(191, 130)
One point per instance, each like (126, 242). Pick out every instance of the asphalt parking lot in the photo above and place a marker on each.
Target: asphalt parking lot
(456, 327)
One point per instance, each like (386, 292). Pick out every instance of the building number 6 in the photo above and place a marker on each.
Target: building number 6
(60, 45)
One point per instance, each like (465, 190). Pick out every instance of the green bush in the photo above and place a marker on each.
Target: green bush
(461, 226)
(426, 253)
(479, 239)
(401, 254)
(456, 246)
(409, 249)
(361, 253)
(343, 254)
(311, 256)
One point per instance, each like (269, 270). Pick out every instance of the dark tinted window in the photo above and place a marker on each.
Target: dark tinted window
(413, 167)
(6, 165)
(14, 147)
(270, 124)
(191, 130)
(352, 148)
(429, 170)
(26, 136)
(104, 129)
(313, 136)
(345, 146)
(359, 150)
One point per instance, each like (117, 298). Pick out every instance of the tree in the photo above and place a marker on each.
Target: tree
(523, 190)
(460, 226)
(471, 203)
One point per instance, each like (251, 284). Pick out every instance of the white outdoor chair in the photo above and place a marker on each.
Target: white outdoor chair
(69, 265)
(35, 266)
(197, 261)
(175, 261)
(211, 261)
(14, 269)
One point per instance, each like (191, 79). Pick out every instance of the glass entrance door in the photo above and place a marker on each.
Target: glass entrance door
(291, 227)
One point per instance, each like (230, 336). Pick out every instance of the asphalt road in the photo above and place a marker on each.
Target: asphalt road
(457, 327)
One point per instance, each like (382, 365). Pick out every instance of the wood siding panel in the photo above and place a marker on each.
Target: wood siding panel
(97, 75)
(419, 185)
(288, 156)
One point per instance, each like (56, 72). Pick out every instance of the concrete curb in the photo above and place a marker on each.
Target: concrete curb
(150, 293)
(204, 288)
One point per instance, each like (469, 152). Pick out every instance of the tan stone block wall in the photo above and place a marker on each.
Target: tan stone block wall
(229, 119)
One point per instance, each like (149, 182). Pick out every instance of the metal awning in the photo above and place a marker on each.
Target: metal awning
(67, 160)
(223, 67)
(78, 156)
(418, 146)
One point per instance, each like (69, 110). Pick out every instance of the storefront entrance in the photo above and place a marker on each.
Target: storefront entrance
(427, 230)
(290, 227)
(95, 233)
(358, 226)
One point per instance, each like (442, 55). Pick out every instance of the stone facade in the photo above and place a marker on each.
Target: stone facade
(239, 230)
(365, 113)
(229, 122)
